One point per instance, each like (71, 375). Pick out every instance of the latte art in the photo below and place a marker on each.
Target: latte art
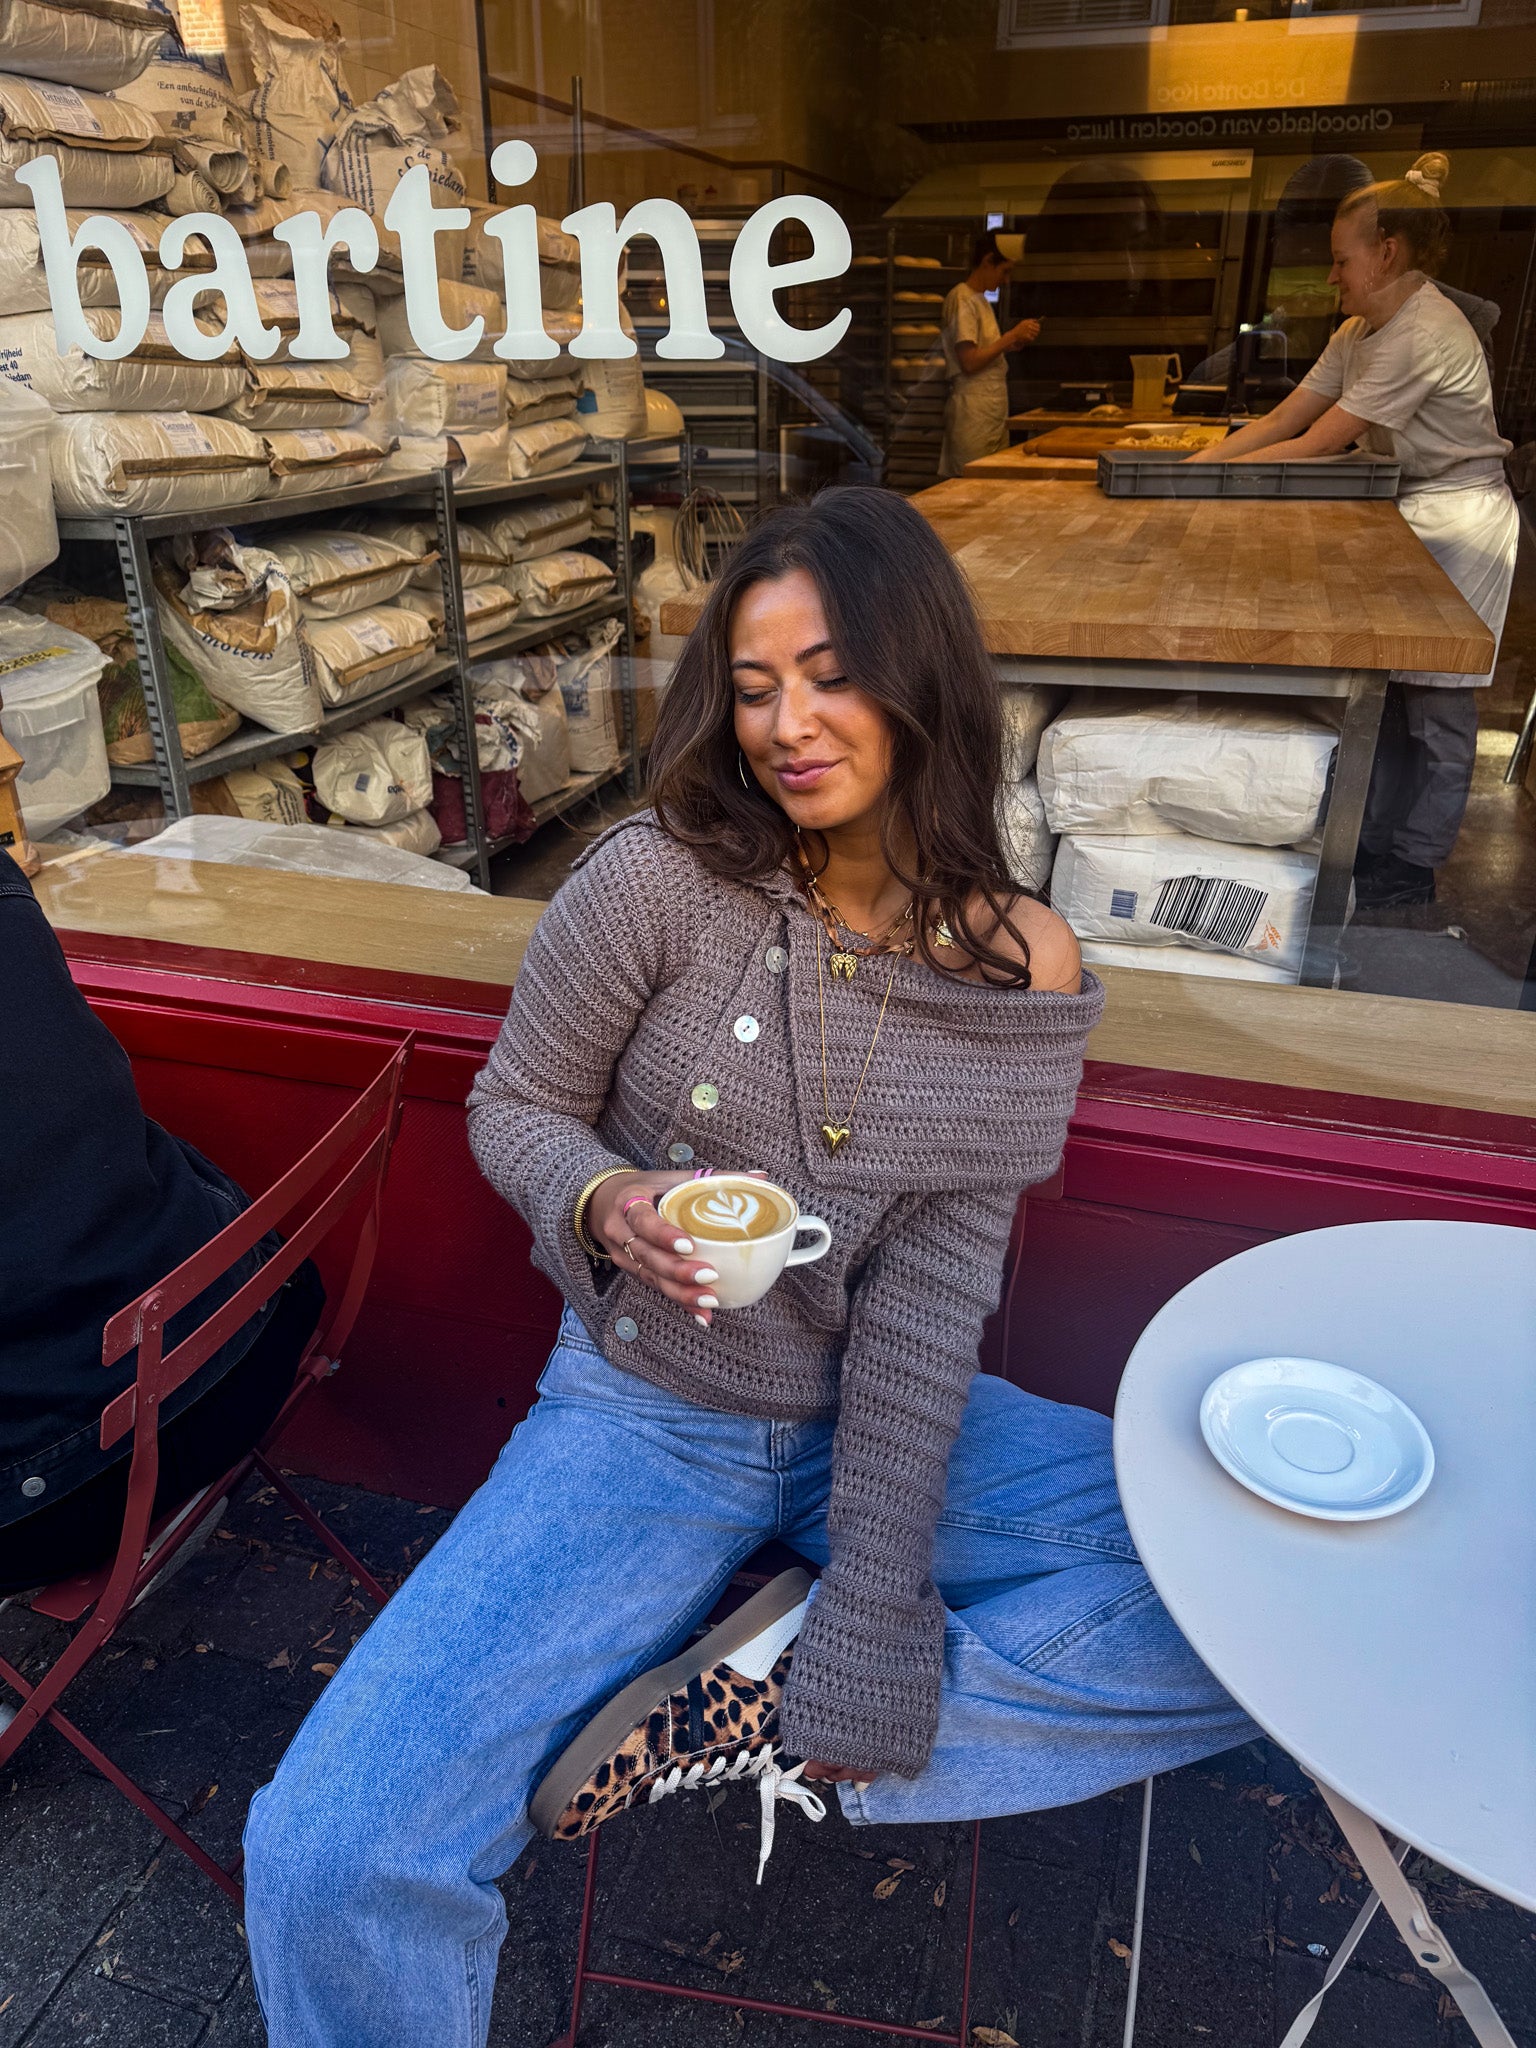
(737, 1213)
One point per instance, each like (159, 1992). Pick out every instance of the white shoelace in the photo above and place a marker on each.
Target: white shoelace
(773, 1782)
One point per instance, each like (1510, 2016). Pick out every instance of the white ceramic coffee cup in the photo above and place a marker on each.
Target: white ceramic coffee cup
(749, 1266)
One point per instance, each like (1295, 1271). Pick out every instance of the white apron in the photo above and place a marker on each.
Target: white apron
(976, 410)
(1473, 533)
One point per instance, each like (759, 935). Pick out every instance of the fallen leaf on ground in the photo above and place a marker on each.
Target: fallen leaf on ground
(1275, 1799)
(896, 1863)
(886, 1888)
(941, 1892)
(283, 1661)
(325, 1670)
(1013, 1917)
(1195, 1856)
(992, 2037)
(1118, 1948)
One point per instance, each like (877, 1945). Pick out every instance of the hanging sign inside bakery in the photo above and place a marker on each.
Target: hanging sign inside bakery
(413, 218)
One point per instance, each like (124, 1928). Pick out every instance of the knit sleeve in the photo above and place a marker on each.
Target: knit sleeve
(592, 964)
(864, 1685)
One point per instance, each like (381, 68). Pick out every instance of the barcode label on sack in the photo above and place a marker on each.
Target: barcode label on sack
(1222, 913)
(186, 435)
(1122, 903)
(67, 107)
(374, 636)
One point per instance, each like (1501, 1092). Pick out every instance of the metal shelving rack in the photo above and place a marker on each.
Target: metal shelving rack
(175, 776)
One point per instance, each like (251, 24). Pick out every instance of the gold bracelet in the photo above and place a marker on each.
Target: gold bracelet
(578, 1219)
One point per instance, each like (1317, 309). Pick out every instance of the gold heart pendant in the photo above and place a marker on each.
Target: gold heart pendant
(835, 1135)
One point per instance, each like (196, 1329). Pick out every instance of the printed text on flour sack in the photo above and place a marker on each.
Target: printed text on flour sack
(412, 216)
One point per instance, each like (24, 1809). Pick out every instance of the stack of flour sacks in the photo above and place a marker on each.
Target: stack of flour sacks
(1186, 828)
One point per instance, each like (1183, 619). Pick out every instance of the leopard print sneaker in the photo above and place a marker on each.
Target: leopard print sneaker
(708, 1717)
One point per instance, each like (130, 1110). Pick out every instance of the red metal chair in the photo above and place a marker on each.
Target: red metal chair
(345, 1167)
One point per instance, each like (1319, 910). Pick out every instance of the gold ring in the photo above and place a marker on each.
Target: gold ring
(633, 1260)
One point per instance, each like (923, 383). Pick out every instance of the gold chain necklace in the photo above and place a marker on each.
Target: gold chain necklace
(837, 1133)
(845, 958)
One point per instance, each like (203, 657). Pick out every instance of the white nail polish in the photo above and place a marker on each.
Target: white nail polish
(682, 1246)
(702, 1321)
(708, 1301)
(706, 1274)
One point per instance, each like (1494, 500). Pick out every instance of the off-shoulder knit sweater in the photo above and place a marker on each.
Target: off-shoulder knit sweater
(630, 1041)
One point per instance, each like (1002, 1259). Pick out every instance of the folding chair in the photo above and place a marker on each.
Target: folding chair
(346, 1166)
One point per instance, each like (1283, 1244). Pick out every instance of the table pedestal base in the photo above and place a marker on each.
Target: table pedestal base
(1411, 1917)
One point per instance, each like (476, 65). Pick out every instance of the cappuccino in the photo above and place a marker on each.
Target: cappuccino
(736, 1211)
(747, 1228)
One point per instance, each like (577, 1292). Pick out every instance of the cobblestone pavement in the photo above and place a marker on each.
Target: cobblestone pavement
(108, 1939)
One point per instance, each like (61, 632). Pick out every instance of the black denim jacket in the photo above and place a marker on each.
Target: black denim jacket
(97, 1202)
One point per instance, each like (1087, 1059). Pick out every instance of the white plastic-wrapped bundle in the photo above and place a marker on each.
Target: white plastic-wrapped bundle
(351, 856)
(320, 459)
(300, 95)
(366, 651)
(152, 462)
(189, 94)
(1027, 711)
(415, 121)
(1218, 767)
(427, 398)
(1250, 901)
(74, 42)
(24, 282)
(376, 774)
(559, 260)
(589, 685)
(552, 584)
(1184, 960)
(1029, 845)
(543, 449)
(336, 572)
(461, 304)
(530, 400)
(29, 535)
(231, 613)
(110, 154)
(471, 458)
(489, 608)
(542, 526)
(284, 394)
(154, 378)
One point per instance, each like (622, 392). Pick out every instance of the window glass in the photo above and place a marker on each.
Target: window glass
(1271, 718)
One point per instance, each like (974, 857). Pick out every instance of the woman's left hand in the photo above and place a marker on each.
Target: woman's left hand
(837, 1774)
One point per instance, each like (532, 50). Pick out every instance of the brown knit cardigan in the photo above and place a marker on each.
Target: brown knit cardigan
(627, 1001)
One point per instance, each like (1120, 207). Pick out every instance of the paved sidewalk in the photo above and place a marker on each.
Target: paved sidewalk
(108, 1939)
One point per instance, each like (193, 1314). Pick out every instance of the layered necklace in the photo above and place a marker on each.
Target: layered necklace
(898, 940)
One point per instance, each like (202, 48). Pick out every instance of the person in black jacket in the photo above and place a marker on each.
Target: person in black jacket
(100, 1203)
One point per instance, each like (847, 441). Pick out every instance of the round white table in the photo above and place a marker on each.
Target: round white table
(1396, 1659)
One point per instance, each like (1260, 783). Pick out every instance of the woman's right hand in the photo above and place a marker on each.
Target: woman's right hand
(623, 1218)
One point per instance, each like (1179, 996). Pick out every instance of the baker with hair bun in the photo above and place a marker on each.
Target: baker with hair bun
(1407, 376)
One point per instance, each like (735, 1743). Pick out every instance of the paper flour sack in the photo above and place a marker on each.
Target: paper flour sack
(152, 462)
(231, 613)
(364, 652)
(154, 378)
(1174, 890)
(300, 95)
(109, 153)
(75, 43)
(376, 774)
(335, 571)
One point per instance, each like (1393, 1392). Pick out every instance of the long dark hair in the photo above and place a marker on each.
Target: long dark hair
(905, 632)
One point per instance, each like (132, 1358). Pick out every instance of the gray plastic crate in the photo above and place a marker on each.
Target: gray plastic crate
(1159, 473)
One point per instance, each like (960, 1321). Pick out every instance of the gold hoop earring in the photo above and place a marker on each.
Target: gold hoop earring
(741, 770)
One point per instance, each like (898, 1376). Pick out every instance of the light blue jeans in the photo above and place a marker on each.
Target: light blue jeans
(609, 1526)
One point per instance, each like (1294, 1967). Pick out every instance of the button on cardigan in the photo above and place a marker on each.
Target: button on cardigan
(620, 1048)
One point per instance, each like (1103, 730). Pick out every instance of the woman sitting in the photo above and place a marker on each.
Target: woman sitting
(806, 962)
(102, 1203)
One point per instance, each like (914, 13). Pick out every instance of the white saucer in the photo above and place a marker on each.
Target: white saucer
(1317, 1438)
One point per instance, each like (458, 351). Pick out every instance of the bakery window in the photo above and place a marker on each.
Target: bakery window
(364, 469)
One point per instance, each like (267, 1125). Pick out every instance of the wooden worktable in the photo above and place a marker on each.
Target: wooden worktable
(1294, 583)
(1019, 466)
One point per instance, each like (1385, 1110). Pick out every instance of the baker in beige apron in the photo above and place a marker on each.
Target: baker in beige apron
(975, 361)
